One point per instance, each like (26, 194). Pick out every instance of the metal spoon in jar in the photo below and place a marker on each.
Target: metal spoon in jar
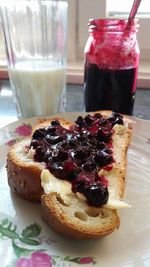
(134, 9)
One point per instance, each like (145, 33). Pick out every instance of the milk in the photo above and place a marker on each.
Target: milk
(39, 87)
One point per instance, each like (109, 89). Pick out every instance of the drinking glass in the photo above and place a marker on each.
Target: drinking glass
(35, 40)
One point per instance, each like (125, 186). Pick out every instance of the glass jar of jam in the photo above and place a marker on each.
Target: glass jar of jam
(111, 65)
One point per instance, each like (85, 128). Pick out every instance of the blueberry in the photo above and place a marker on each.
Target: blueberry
(50, 130)
(116, 118)
(40, 154)
(89, 166)
(55, 122)
(104, 122)
(101, 145)
(80, 186)
(93, 141)
(53, 139)
(97, 194)
(70, 169)
(34, 143)
(48, 156)
(59, 155)
(81, 153)
(82, 136)
(72, 176)
(80, 121)
(57, 169)
(63, 144)
(116, 115)
(104, 134)
(88, 120)
(39, 133)
(98, 115)
(118, 121)
(107, 150)
(73, 143)
(102, 158)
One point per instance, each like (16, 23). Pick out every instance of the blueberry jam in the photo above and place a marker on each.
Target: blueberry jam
(109, 89)
(77, 154)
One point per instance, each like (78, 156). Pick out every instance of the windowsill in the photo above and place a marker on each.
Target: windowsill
(75, 73)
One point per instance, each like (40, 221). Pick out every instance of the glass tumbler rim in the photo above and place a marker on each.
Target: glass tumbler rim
(10, 3)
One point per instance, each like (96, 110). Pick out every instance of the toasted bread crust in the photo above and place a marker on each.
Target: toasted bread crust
(24, 178)
(54, 214)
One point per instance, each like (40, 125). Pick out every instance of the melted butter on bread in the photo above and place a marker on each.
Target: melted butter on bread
(52, 184)
(116, 204)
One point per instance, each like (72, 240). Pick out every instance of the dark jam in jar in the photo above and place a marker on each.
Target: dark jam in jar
(111, 66)
(109, 89)
(78, 154)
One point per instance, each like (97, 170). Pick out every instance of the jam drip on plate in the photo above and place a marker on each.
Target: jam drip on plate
(78, 154)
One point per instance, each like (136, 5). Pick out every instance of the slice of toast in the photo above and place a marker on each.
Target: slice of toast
(73, 218)
(69, 213)
(22, 171)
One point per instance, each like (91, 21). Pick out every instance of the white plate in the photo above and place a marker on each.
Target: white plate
(26, 241)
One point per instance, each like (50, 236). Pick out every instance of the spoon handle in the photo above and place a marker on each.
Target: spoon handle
(134, 9)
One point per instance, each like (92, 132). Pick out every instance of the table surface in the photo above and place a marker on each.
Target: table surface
(8, 112)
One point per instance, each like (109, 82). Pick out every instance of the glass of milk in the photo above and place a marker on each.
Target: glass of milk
(35, 41)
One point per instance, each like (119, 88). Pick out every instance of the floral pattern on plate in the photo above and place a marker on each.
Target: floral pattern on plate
(33, 257)
(20, 132)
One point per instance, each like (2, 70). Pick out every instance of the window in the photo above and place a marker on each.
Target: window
(2, 48)
(81, 11)
(118, 8)
(109, 8)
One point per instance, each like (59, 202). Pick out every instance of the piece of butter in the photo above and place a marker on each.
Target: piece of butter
(119, 129)
(30, 153)
(52, 184)
(116, 204)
